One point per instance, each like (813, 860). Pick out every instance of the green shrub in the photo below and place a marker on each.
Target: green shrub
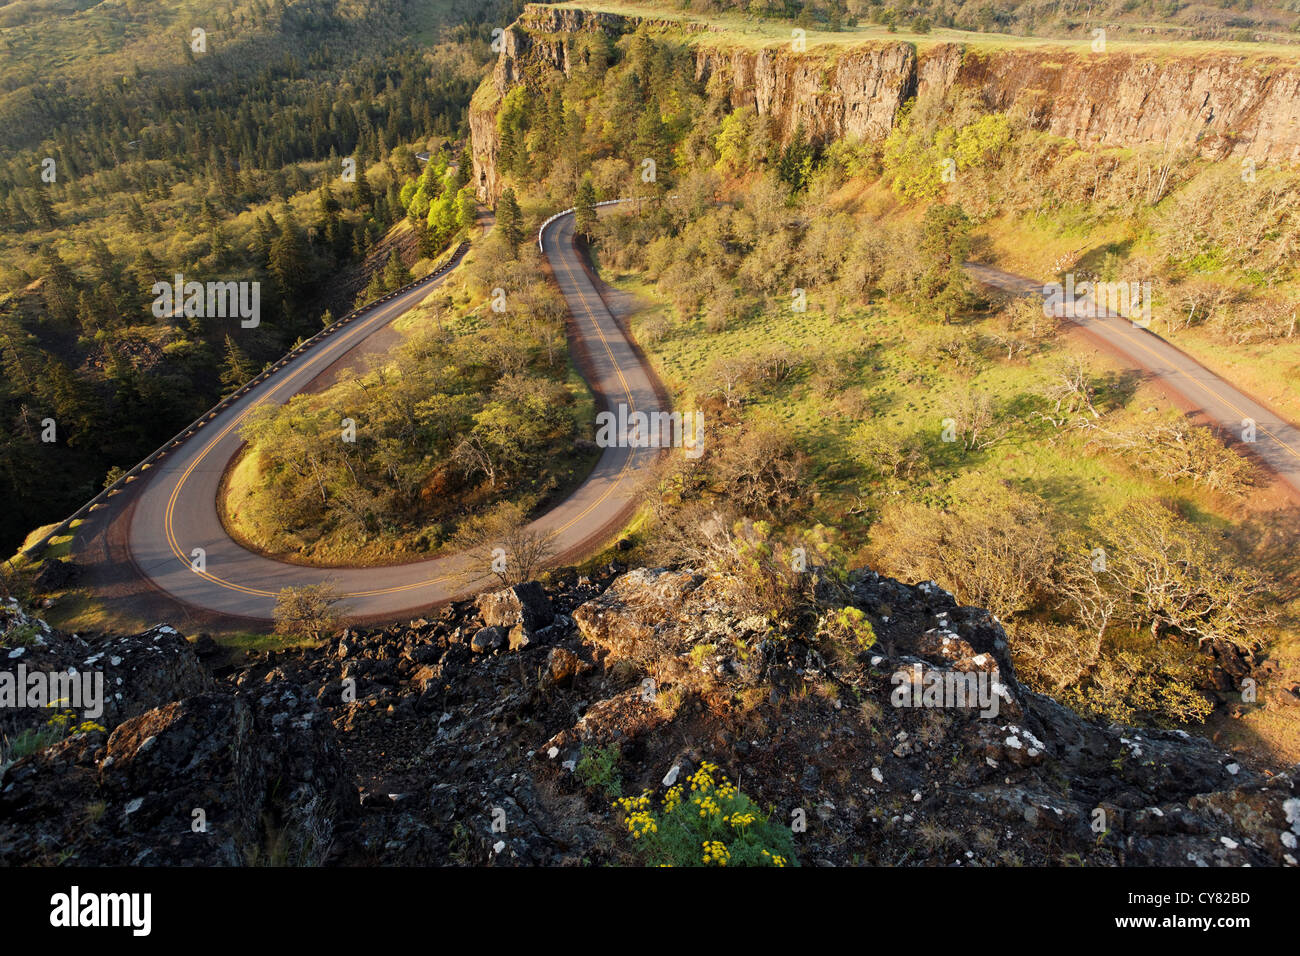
(20, 635)
(711, 824)
(598, 770)
(34, 739)
(848, 626)
(28, 742)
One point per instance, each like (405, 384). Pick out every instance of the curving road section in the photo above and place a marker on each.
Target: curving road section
(178, 544)
(177, 541)
(1277, 441)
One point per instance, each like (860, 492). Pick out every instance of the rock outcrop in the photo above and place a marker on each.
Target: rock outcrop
(216, 779)
(888, 769)
(407, 744)
(522, 612)
(174, 769)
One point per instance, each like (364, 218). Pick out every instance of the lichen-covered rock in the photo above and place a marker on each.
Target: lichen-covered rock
(525, 604)
(402, 745)
(636, 614)
(487, 639)
(122, 676)
(1168, 798)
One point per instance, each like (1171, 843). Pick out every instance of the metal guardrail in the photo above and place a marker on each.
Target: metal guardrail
(564, 212)
(184, 434)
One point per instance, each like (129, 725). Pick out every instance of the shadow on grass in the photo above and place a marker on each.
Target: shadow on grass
(1103, 260)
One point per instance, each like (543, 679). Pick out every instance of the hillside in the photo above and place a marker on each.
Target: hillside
(276, 155)
(948, 513)
(1222, 103)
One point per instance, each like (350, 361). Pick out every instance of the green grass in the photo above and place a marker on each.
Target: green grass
(79, 611)
(903, 387)
(250, 641)
(734, 30)
(60, 546)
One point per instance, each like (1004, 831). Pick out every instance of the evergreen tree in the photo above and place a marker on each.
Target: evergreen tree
(396, 274)
(796, 164)
(464, 169)
(393, 206)
(88, 315)
(209, 215)
(374, 289)
(60, 286)
(651, 135)
(43, 207)
(236, 369)
(510, 218)
(288, 260)
(584, 213)
(264, 233)
(18, 217)
(945, 244)
(365, 195)
(466, 208)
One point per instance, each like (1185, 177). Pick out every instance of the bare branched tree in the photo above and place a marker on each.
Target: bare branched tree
(503, 545)
(312, 611)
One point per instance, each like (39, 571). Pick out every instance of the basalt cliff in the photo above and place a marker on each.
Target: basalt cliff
(1224, 106)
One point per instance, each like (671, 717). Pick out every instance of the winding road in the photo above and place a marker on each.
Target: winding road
(176, 511)
(1277, 441)
(172, 517)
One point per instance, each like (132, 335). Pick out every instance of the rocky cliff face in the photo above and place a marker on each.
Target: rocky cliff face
(1222, 106)
(541, 40)
(484, 143)
(458, 739)
(857, 94)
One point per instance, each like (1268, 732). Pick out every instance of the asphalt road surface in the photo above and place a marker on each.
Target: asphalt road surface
(176, 512)
(1277, 442)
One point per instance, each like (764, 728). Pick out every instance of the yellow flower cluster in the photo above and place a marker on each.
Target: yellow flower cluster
(641, 823)
(715, 853)
(673, 798)
(633, 804)
(702, 779)
(711, 796)
(69, 725)
(638, 817)
(708, 806)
